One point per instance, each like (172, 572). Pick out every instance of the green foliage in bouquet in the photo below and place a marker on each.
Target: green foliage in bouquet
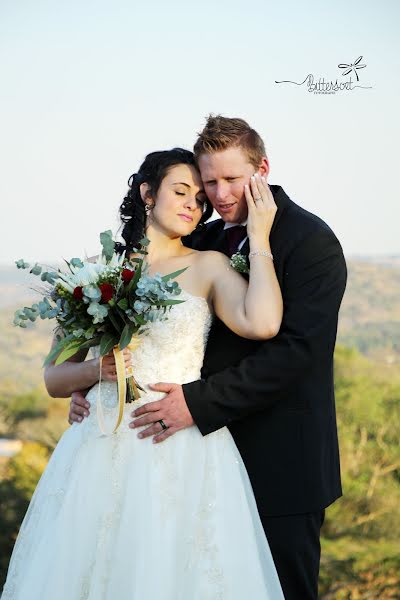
(104, 302)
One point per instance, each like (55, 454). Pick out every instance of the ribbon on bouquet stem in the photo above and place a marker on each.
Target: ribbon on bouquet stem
(122, 376)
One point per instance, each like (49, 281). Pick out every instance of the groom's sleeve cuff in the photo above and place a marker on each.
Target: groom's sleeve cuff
(198, 403)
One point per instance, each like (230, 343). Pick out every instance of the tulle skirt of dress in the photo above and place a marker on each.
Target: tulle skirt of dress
(119, 518)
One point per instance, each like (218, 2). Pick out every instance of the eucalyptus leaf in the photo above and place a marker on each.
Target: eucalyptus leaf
(90, 333)
(117, 326)
(44, 305)
(90, 343)
(140, 320)
(122, 315)
(98, 311)
(31, 314)
(78, 333)
(144, 241)
(108, 244)
(133, 282)
(169, 302)
(75, 262)
(57, 349)
(173, 275)
(20, 314)
(126, 336)
(21, 264)
(123, 303)
(107, 343)
(36, 270)
(53, 312)
(51, 277)
(70, 321)
(92, 292)
(69, 351)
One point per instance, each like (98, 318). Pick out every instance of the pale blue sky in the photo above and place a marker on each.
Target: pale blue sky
(88, 88)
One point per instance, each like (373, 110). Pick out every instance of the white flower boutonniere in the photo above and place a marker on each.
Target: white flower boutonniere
(239, 263)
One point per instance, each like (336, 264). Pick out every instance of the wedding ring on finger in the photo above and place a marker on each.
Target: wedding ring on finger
(257, 199)
(163, 425)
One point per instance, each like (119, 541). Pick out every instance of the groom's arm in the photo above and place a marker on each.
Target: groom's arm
(315, 280)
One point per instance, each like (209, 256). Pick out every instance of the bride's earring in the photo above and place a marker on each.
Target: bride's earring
(148, 208)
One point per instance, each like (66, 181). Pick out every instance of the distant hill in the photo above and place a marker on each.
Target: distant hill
(369, 319)
(370, 313)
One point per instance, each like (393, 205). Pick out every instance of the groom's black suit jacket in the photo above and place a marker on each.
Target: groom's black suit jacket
(277, 397)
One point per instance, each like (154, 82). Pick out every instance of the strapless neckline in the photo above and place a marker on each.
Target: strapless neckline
(186, 293)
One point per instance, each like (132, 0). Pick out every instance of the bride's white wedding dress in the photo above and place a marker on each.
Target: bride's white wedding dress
(119, 518)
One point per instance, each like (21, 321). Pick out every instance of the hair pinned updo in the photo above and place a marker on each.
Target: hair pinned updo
(153, 170)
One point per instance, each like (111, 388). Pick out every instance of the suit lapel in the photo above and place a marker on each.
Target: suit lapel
(215, 237)
(221, 241)
(245, 249)
(282, 201)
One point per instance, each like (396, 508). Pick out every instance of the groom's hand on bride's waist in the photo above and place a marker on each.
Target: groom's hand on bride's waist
(78, 408)
(165, 416)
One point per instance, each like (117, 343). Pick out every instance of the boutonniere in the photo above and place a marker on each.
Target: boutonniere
(239, 263)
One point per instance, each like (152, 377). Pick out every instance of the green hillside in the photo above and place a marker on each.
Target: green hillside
(370, 313)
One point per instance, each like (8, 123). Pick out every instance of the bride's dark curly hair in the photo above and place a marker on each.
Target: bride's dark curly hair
(153, 170)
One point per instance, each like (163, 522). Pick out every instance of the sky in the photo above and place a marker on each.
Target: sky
(90, 87)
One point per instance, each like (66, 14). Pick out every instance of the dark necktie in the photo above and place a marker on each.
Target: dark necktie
(235, 235)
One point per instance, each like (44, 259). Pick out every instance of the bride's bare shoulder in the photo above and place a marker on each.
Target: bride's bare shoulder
(212, 260)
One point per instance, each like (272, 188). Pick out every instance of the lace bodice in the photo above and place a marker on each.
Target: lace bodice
(171, 351)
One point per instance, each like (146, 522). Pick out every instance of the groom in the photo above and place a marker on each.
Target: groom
(276, 397)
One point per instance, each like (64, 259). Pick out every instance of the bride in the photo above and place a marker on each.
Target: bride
(118, 518)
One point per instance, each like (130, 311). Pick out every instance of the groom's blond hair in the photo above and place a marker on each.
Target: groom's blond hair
(221, 133)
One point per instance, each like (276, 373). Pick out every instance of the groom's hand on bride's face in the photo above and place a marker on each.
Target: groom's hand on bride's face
(79, 408)
(172, 410)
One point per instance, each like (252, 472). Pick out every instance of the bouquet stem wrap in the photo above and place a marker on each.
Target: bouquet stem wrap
(125, 380)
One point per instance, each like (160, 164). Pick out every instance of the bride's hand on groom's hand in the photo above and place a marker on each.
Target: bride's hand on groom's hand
(172, 410)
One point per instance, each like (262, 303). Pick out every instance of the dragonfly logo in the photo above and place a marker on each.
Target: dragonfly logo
(353, 67)
(326, 86)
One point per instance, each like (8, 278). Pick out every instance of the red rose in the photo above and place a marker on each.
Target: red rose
(78, 293)
(107, 291)
(127, 275)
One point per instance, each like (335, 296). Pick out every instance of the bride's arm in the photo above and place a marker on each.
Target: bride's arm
(251, 310)
(76, 373)
(73, 374)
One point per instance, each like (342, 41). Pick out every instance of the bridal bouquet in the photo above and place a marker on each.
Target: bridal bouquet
(106, 303)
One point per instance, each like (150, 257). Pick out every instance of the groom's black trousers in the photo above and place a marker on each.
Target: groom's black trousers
(296, 550)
